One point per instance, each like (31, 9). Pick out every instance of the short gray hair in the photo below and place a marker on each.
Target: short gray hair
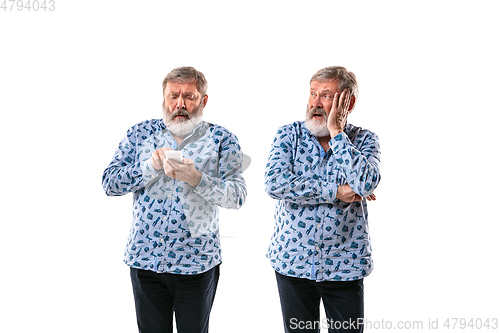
(187, 75)
(345, 78)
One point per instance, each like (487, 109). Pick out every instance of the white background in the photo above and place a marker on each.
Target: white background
(72, 81)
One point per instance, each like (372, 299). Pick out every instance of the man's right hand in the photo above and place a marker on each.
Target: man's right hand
(158, 157)
(346, 194)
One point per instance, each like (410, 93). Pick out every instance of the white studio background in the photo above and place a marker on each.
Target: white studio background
(73, 80)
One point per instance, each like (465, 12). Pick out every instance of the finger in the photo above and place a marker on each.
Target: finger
(347, 101)
(342, 95)
(161, 153)
(187, 161)
(340, 104)
(155, 157)
(371, 197)
(345, 108)
(156, 160)
(335, 103)
(168, 168)
(173, 164)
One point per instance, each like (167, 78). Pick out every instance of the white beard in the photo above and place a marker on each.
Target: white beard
(182, 128)
(317, 128)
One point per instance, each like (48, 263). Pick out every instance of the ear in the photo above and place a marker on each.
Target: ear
(205, 99)
(352, 102)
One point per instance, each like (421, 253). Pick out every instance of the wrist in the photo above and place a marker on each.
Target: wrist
(334, 133)
(195, 180)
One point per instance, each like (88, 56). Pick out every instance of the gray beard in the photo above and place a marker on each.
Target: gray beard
(182, 128)
(317, 127)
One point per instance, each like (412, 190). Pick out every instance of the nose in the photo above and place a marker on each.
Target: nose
(180, 103)
(316, 102)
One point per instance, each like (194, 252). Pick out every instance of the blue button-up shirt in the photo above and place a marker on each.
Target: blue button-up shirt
(175, 226)
(317, 236)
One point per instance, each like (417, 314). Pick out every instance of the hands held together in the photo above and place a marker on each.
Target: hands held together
(184, 171)
(346, 194)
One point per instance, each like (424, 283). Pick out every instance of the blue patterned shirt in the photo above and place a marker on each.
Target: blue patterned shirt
(175, 226)
(317, 236)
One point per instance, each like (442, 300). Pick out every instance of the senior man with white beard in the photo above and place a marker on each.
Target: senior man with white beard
(173, 248)
(321, 171)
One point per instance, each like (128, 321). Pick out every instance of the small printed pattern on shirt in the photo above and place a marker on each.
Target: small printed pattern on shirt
(317, 236)
(175, 226)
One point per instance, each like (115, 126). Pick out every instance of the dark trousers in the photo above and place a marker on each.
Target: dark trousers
(300, 300)
(159, 295)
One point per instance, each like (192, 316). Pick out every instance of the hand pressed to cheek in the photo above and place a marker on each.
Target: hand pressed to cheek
(337, 118)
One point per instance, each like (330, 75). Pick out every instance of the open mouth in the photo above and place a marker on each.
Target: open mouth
(316, 115)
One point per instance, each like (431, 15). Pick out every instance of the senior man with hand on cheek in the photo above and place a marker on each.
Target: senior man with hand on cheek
(173, 248)
(322, 172)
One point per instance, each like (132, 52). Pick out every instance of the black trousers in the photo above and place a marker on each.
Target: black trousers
(158, 296)
(300, 301)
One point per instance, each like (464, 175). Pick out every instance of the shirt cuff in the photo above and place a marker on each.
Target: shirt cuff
(329, 193)
(207, 188)
(339, 142)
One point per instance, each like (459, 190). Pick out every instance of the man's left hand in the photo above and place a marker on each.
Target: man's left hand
(338, 114)
(184, 171)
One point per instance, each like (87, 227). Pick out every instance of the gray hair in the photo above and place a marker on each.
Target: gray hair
(345, 78)
(187, 75)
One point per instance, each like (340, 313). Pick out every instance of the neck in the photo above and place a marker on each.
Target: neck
(178, 139)
(323, 141)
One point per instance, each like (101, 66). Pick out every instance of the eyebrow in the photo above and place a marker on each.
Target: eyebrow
(322, 91)
(186, 93)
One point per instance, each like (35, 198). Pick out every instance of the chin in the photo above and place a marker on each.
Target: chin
(317, 128)
(183, 127)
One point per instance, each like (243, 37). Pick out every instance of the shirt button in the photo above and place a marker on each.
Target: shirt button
(317, 247)
(318, 226)
(164, 218)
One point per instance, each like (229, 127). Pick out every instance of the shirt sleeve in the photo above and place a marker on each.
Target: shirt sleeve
(125, 174)
(283, 184)
(359, 165)
(228, 189)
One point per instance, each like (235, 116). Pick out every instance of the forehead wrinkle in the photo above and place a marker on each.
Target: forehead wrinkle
(321, 85)
(322, 91)
(183, 87)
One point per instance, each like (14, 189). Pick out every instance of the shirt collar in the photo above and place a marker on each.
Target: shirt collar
(197, 132)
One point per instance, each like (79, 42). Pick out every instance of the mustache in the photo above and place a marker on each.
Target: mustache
(320, 111)
(180, 112)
